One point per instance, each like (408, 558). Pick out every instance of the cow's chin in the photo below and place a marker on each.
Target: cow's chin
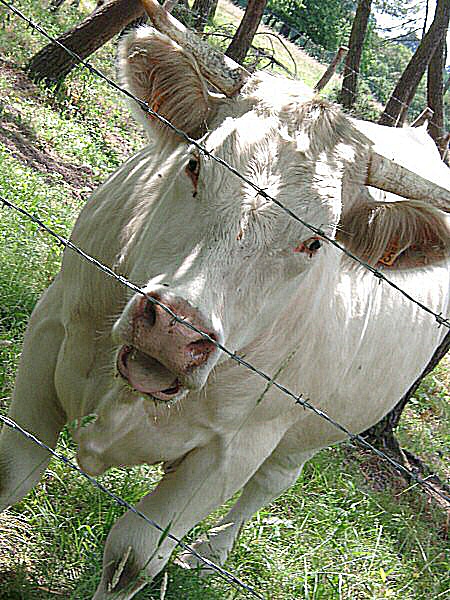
(149, 377)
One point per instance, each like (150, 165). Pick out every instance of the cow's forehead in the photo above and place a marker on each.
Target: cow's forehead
(273, 94)
(274, 109)
(241, 133)
(255, 117)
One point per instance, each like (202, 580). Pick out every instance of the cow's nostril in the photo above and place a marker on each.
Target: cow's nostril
(199, 351)
(149, 312)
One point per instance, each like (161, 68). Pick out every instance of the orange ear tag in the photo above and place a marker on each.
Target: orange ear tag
(391, 254)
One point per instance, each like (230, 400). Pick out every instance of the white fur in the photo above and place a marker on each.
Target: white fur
(327, 329)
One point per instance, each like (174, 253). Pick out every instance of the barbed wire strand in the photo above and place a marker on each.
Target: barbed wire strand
(316, 230)
(299, 398)
(120, 501)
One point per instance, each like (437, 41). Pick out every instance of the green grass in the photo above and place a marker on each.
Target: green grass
(349, 529)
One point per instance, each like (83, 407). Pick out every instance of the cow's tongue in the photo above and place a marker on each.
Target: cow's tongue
(146, 374)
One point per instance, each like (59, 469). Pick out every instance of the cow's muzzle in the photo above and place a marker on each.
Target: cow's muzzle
(161, 357)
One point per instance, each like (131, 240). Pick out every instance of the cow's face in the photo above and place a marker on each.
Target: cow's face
(203, 241)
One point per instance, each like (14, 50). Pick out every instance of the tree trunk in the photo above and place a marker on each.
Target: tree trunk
(382, 434)
(245, 33)
(435, 94)
(353, 60)
(203, 10)
(52, 63)
(398, 104)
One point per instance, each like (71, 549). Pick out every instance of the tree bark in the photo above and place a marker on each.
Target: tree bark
(353, 60)
(52, 63)
(398, 104)
(203, 11)
(245, 33)
(435, 94)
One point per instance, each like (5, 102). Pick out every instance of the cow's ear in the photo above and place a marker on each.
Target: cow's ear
(396, 235)
(167, 78)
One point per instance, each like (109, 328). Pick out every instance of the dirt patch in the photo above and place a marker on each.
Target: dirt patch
(23, 143)
(380, 476)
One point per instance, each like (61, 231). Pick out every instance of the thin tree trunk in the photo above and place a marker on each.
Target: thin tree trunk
(398, 104)
(331, 70)
(435, 94)
(245, 33)
(425, 20)
(52, 63)
(353, 60)
(203, 11)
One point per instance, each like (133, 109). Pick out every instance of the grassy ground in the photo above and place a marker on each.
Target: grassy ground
(349, 529)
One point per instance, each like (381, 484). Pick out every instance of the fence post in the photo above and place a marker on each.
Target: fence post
(425, 115)
(340, 55)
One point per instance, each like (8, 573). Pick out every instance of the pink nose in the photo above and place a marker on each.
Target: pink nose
(157, 334)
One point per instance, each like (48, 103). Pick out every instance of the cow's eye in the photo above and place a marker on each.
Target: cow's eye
(314, 245)
(310, 246)
(193, 170)
(193, 165)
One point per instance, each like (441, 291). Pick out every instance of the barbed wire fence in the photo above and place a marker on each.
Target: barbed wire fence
(298, 398)
(208, 154)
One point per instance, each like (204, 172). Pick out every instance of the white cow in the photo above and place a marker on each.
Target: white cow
(233, 264)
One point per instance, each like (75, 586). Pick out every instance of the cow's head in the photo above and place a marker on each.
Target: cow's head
(207, 245)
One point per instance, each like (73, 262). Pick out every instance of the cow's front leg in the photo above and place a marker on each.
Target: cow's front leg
(35, 405)
(278, 472)
(203, 480)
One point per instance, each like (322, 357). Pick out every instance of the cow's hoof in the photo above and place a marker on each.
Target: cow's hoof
(121, 579)
(207, 549)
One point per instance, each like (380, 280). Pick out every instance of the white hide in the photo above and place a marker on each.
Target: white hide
(328, 328)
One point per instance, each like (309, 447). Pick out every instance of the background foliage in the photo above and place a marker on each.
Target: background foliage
(327, 24)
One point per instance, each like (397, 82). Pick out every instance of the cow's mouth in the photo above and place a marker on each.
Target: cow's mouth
(148, 376)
